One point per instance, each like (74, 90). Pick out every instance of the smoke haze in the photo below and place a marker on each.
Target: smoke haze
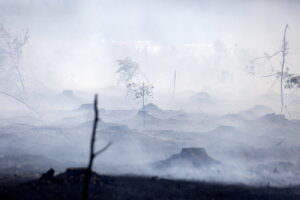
(71, 54)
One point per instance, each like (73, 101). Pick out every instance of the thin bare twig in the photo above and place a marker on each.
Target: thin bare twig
(103, 149)
(273, 84)
(267, 56)
(280, 142)
(277, 73)
(22, 102)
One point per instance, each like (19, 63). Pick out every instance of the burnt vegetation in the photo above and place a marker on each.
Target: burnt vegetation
(68, 186)
(83, 183)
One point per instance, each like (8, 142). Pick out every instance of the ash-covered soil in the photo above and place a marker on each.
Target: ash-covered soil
(68, 185)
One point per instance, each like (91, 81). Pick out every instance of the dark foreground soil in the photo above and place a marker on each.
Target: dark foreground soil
(69, 186)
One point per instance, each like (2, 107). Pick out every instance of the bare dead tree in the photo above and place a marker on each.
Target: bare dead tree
(128, 69)
(136, 82)
(284, 54)
(174, 84)
(13, 49)
(141, 91)
(287, 79)
(93, 154)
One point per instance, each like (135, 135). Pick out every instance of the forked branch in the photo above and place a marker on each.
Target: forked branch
(93, 154)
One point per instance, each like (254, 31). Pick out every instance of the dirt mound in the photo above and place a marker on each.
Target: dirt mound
(195, 157)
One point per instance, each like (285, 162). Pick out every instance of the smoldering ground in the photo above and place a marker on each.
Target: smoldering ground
(71, 53)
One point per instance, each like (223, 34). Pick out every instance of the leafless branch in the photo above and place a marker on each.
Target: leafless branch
(276, 74)
(14, 46)
(22, 102)
(283, 72)
(103, 149)
(280, 142)
(267, 56)
(85, 194)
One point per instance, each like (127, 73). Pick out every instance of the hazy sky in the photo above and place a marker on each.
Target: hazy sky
(74, 44)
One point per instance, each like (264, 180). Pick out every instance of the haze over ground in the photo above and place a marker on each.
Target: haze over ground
(74, 44)
(218, 109)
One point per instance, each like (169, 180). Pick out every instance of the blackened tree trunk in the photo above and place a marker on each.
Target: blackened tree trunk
(87, 178)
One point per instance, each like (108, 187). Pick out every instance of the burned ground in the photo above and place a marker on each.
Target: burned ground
(68, 185)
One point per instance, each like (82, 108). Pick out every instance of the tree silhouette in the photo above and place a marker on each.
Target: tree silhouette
(12, 46)
(136, 82)
(93, 154)
(287, 80)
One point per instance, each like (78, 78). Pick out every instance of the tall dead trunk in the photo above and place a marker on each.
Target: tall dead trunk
(85, 195)
(93, 154)
(174, 84)
(284, 53)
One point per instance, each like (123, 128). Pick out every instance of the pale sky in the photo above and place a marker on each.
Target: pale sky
(74, 44)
